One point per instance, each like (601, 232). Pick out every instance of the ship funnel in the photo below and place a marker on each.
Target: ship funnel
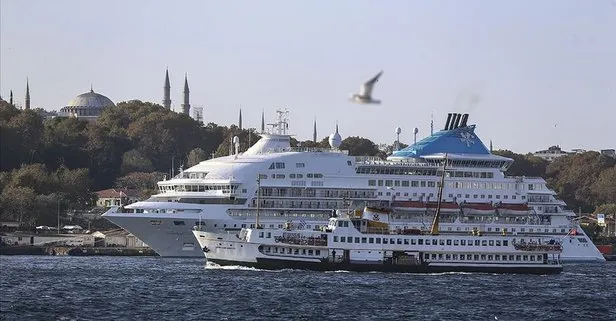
(464, 119)
(453, 121)
(457, 122)
(447, 123)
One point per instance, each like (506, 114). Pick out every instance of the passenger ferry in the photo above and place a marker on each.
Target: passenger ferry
(364, 242)
(300, 187)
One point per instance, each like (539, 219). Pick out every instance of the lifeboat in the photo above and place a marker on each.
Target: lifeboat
(446, 207)
(413, 206)
(511, 208)
(477, 208)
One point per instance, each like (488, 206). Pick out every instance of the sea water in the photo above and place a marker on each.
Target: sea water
(154, 288)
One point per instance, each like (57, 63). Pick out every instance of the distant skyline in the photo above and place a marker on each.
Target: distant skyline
(532, 74)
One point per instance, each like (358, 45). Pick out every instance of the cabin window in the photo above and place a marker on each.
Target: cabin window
(310, 252)
(378, 240)
(447, 256)
(483, 257)
(420, 241)
(518, 257)
(296, 252)
(303, 251)
(498, 243)
(426, 256)
(371, 240)
(349, 239)
(462, 242)
(434, 242)
(413, 241)
(476, 257)
(343, 239)
(384, 241)
(406, 241)
(441, 242)
(434, 256)
(505, 243)
(261, 234)
(490, 257)
(525, 258)
(363, 240)
(462, 257)
(448, 242)
(477, 243)
(484, 243)
(497, 257)
(269, 235)
(469, 257)
(335, 238)
(399, 241)
(491, 242)
(392, 241)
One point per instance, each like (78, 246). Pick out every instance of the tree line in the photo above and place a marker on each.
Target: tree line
(60, 162)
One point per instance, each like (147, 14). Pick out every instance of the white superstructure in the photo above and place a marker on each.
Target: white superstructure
(301, 187)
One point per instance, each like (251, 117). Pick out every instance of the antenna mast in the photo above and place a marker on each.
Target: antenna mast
(257, 224)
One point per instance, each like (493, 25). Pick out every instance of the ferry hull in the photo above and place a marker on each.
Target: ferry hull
(277, 264)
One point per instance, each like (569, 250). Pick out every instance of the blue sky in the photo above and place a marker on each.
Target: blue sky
(531, 73)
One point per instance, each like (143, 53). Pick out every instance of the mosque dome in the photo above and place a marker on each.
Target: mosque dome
(87, 105)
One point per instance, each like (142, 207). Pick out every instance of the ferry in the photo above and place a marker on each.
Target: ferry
(300, 187)
(364, 242)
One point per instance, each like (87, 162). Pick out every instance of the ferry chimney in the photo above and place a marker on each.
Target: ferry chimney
(464, 120)
(447, 123)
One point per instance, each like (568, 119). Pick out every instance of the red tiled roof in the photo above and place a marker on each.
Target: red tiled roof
(117, 192)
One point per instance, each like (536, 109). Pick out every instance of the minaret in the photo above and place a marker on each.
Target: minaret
(11, 98)
(239, 123)
(262, 121)
(167, 91)
(490, 145)
(314, 131)
(27, 94)
(186, 104)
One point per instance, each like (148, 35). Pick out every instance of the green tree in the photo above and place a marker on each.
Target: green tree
(524, 165)
(145, 183)
(18, 204)
(196, 156)
(133, 161)
(604, 188)
(359, 146)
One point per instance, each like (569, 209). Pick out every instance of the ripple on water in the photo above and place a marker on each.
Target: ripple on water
(139, 288)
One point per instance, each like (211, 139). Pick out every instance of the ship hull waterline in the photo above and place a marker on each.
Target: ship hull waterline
(276, 264)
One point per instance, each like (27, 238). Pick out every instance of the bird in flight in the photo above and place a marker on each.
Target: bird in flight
(365, 92)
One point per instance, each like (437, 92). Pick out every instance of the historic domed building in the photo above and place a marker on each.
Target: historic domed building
(87, 106)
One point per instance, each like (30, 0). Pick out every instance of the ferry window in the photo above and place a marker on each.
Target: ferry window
(300, 165)
(525, 258)
(296, 251)
(491, 242)
(289, 251)
(477, 243)
(414, 184)
(405, 183)
(269, 235)
(384, 241)
(291, 175)
(378, 240)
(349, 163)
(303, 251)
(413, 241)
(440, 256)
(532, 257)
(271, 166)
(406, 241)
(434, 256)
(179, 223)
(426, 256)
(399, 241)
(392, 241)
(498, 243)
(380, 182)
(275, 250)
(483, 257)
(462, 257)
(357, 240)
(448, 256)
(388, 182)
(396, 183)
(371, 240)
(518, 257)
(490, 257)
(335, 238)
(434, 242)
(456, 242)
(484, 243)
(310, 252)
(317, 252)
(349, 239)
(342, 239)
(470, 257)
(372, 182)
(462, 242)
(448, 242)
(260, 234)
(363, 240)
(441, 242)
(420, 241)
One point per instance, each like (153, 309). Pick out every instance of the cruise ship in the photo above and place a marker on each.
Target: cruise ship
(301, 188)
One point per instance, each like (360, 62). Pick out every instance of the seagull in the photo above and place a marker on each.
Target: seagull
(365, 92)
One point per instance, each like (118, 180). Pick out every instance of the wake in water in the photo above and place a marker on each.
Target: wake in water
(214, 266)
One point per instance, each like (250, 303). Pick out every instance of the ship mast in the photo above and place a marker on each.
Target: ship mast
(437, 215)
